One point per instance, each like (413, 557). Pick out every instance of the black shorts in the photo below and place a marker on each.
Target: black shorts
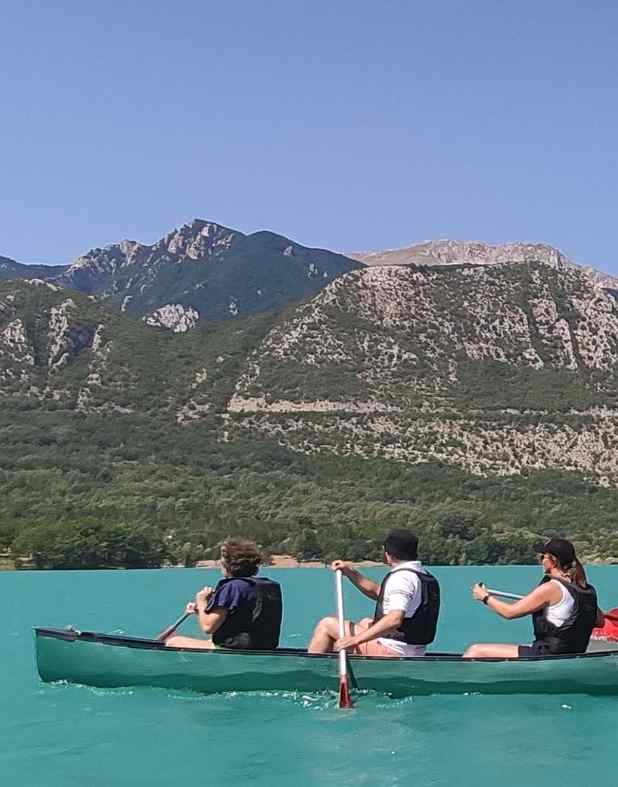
(536, 649)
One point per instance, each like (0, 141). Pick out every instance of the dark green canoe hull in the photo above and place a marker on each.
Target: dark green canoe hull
(115, 661)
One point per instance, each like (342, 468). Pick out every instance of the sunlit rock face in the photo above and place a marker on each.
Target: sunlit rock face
(454, 252)
(497, 369)
(174, 317)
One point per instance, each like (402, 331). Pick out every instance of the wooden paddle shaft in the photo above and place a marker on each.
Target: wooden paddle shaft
(171, 629)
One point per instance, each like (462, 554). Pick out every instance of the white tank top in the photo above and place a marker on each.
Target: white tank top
(559, 612)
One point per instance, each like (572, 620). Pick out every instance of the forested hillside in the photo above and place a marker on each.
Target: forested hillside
(477, 406)
(85, 490)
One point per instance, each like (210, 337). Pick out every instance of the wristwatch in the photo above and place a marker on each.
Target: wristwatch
(486, 599)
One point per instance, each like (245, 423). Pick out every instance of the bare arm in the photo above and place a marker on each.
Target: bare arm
(389, 622)
(537, 599)
(367, 587)
(213, 620)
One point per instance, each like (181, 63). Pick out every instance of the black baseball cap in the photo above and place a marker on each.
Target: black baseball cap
(401, 544)
(560, 548)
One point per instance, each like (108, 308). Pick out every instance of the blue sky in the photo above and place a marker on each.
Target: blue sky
(347, 125)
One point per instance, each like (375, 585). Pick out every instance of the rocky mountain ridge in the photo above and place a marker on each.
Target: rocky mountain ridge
(453, 252)
(9, 269)
(497, 369)
(205, 270)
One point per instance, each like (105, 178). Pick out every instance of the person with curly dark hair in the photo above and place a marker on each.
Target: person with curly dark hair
(243, 611)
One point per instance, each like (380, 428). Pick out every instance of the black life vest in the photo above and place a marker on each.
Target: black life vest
(253, 629)
(574, 634)
(420, 629)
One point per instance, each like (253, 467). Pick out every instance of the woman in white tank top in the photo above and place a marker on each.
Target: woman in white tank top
(552, 604)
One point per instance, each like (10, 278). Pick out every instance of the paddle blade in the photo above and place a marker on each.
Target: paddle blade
(609, 630)
(345, 701)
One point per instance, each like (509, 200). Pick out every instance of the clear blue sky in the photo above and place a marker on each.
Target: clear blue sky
(347, 125)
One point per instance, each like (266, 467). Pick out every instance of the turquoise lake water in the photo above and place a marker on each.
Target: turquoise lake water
(60, 735)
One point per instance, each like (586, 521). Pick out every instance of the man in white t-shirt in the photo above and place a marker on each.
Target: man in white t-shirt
(406, 615)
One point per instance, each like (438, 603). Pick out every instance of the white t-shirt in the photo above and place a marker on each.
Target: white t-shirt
(403, 591)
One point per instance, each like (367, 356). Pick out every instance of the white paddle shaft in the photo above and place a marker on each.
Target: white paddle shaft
(343, 666)
(502, 594)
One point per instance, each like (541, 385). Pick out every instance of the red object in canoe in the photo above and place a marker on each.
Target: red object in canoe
(609, 630)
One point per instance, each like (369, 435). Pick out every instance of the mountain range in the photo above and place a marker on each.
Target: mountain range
(495, 369)
(201, 272)
(204, 272)
(316, 398)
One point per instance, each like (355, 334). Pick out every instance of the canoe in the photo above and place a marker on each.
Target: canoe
(111, 661)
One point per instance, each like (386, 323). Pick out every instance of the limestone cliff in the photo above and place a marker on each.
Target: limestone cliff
(453, 252)
(496, 369)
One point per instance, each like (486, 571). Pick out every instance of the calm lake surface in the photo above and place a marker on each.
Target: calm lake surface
(58, 735)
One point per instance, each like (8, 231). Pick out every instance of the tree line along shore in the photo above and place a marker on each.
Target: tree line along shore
(97, 492)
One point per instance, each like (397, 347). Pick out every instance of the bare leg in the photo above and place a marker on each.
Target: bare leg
(189, 642)
(489, 650)
(326, 633)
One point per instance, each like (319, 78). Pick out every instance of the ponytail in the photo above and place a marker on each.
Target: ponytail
(579, 575)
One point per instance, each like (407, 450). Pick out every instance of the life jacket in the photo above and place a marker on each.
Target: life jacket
(573, 635)
(420, 629)
(256, 629)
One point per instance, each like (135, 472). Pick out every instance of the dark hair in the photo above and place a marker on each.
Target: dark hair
(239, 557)
(401, 544)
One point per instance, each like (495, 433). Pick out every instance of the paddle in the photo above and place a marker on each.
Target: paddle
(501, 593)
(345, 701)
(609, 630)
(171, 629)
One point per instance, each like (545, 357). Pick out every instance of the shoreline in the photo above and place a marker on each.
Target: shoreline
(278, 561)
(287, 561)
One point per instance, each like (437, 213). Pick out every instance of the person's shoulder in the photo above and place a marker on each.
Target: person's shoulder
(553, 589)
(233, 591)
(405, 575)
(235, 586)
(410, 568)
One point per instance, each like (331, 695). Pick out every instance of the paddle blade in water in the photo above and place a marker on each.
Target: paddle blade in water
(345, 701)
